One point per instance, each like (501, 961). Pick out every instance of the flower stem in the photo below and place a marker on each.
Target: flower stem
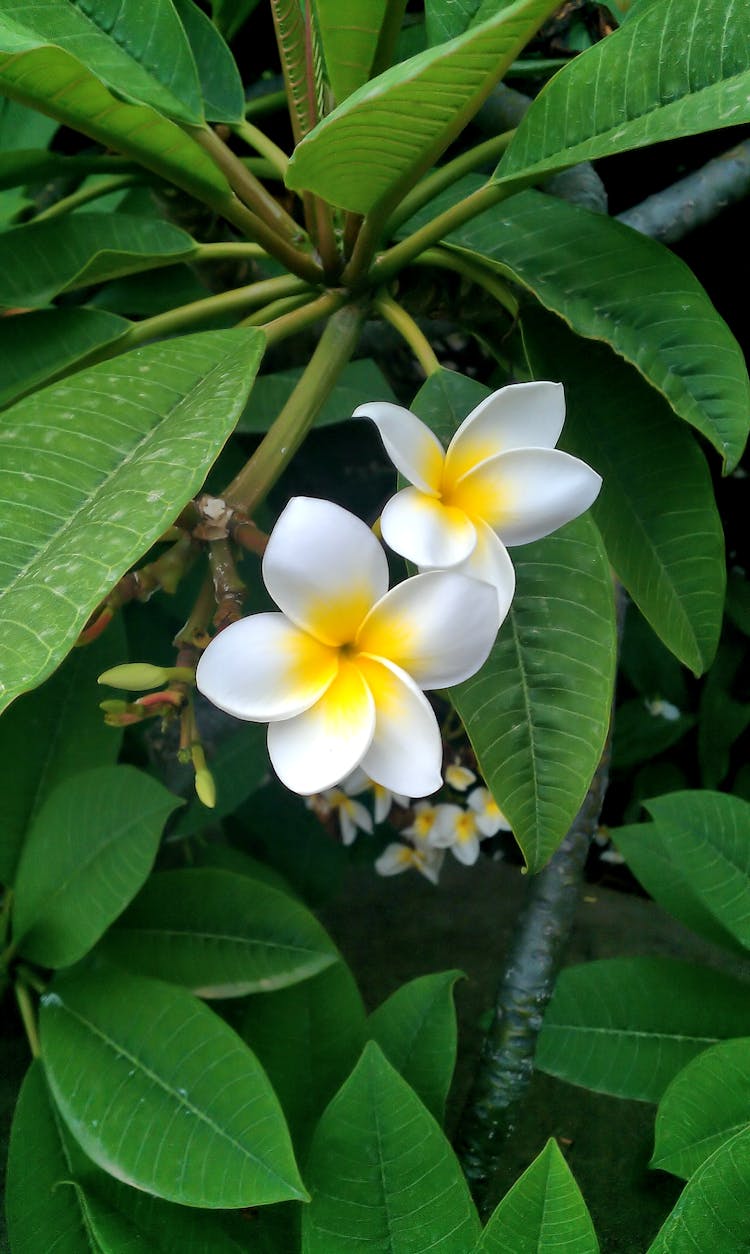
(26, 1008)
(446, 175)
(409, 331)
(335, 347)
(284, 325)
(249, 189)
(474, 272)
(86, 194)
(257, 139)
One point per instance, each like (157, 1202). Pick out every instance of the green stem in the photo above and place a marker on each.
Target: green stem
(234, 301)
(390, 29)
(474, 272)
(86, 194)
(543, 65)
(282, 326)
(274, 309)
(5, 910)
(446, 175)
(293, 259)
(276, 450)
(255, 138)
(228, 251)
(26, 1008)
(269, 103)
(250, 190)
(409, 331)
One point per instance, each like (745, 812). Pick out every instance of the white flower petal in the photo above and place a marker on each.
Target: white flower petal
(355, 783)
(425, 531)
(406, 751)
(394, 859)
(264, 668)
(428, 862)
(490, 562)
(353, 817)
(324, 568)
(444, 832)
(320, 747)
(527, 493)
(466, 851)
(439, 627)
(489, 816)
(411, 446)
(522, 415)
(459, 777)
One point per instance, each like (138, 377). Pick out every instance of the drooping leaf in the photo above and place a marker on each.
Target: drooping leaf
(349, 47)
(161, 1093)
(79, 515)
(359, 381)
(656, 510)
(399, 123)
(220, 82)
(41, 344)
(219, 934)
(416, 1030)
(713, 1211)
(626, 1026)
(93, 841)
(381, 1172)
(239, 767)
(38, 261)
(675, 68)
(707, 1103)
(543, 1213)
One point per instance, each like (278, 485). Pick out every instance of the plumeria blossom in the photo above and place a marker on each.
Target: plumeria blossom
(338, 674)
(396, 858)
(457, 829)
(500, 482)
(353, 816)
(489, 816)
(383, 799)
(459, 777)
(425, 818)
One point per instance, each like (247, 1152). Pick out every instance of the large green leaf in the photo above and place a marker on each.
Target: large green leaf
(220, 82)
(709, 833)
(145, 62)
(87, 853)
(444, 19)
(308, 1037)
(161, 1093)
(93, 470)
(382, 1173)
(675, 68)
(416, 1030)
(713, 1211)
(656, 510)
(219, 934)
(610, 283)
(626, 1026)
(707, 1103)
(544, 1213)
(359, 381)
(41, 344)
(349, 47)
(378, 142)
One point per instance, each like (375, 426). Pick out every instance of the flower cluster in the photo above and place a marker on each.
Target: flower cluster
(440, 827)
(339, 672)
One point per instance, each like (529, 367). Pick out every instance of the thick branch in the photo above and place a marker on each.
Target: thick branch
(674, 212)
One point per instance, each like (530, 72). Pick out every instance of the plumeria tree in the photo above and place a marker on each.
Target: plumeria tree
(198, 269)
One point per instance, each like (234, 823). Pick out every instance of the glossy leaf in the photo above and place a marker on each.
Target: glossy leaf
(399, 123)
(707, 1103)
(220, 82)
(44, 343)
(656, 510)
(93, 841)
(359, 381)
(308, 1037)
(79, 515)
(444, 19)
(416, 1030)
(543, 1213)
(239, 767)
(709, 832)
(626, 1026)
(713, 1211)
(40, 260)
(146, 62)
(381, 1172)
(161, 1093)
(610, 283)
(349, 47)
(53, 733)
(219, 934)
(691, 74)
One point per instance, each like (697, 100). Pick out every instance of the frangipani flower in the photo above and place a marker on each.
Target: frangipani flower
(459, 777)
(458, 830)
(489, 816)
(383, 798)
(338, 673)
(396, 858)
(501, 481)
(353, 816)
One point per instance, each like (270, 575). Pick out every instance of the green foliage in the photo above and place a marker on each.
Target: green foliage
(220, 82)
(712, 1212)
(46, 342)
(543, 1213)
(707, 1104)
(349, 49)
(358, 382)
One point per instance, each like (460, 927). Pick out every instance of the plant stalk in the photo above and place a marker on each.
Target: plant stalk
(84, 195)
(474, 272)
(249, 189)
(257, 139)
(446, 175)
(409, 331)
(26, 1008)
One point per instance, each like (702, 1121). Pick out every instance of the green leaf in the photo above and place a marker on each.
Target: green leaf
(444, 19)
(93, 841)
(144, 62)
(707, 1103)
(239, 767)
(294, 842)
(713, 1211)
(23, 129)
(220, 82)
(722, 719)
(709, 832)
(349, 47)
(416, 1030)
(656, 510)
(229, 15)
(399, 123)
(39, 261)
(641, 734)
(358, 382)
(626, 1026)
(160, 1092)
(674, 68)
(382, 1173)
(89, 494)
(219, 934)
(544, 1213)
(53, 733)
(610, 283)
(49, 341)
(308, 1037)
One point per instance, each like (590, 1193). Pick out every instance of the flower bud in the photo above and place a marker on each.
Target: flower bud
(133, 676)
(205, 787)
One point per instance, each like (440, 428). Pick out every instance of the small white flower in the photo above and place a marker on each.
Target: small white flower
(353, 816)
(396, 858)
(338, 674)
(490, 818)
(383, 798)
(458, 830)
(663, 709)
(425, 818)
(459, 777)
(501, 481)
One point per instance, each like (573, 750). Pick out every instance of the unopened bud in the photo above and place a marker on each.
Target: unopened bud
(135, 676)
(114, 707)
(205, 787)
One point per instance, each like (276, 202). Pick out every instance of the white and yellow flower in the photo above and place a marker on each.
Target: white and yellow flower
(382, 798)
(425, 818)
(396, 858)
(500, 482)
(489, 816)
(338, 674)
(457, 829)
(459, 777)
(353, 816)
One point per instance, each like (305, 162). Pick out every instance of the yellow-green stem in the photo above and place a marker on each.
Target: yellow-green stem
(255, 138)
(234, 301)
(293, 259)
(445, 176)
(474, 272)
(275, 310)
(228, 250)
(26, 1008)
(269, 103)
(276, 450)
(249, 189)
(84, 195)
(409, 331)
(282, 327)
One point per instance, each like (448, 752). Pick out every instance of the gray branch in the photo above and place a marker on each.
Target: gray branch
(694, 200)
